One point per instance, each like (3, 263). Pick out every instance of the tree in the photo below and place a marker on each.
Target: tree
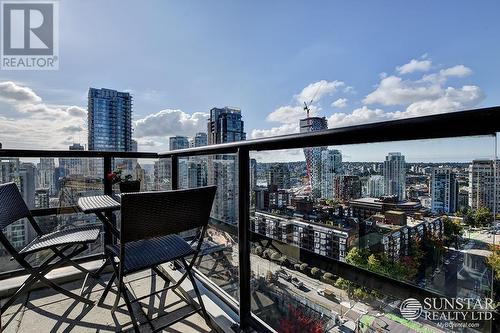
(303, 267)
(494, 260)
(483, 216)
(452, 230)
(469, 217)
(411, 266)
(343, 284)
(259, 250)
(356, 257)
(315, 272)
(268, 253)
(374, 264)
(284, 261)
(328, 278)
(361, 294)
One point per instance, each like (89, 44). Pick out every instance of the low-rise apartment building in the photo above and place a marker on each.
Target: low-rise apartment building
(332, 241)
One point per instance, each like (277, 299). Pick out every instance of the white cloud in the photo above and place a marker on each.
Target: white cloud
(358, 116)
(275, 131)
(13, 93)
(452, 99)
(393, 90)
(169, 122)
(458, 71)
(72, 129)
(339, 103)
(28, 122)
(270, 156)
(427, 95)
(349, 90)
(315, 91)
(290, 114)
(148, 143)
(414, 66)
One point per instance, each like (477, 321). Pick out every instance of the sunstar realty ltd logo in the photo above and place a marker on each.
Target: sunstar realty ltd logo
(449, 311)
(30, 35)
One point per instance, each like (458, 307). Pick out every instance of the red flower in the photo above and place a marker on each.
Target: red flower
(298, 322)
(111, 175)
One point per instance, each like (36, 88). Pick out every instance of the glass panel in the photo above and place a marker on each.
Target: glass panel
(162, 174)
(50, 183)
(219, 260)
(140, 175)
(415, 211)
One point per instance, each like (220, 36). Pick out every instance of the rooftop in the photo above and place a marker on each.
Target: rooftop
(370, 200)
(230, 274)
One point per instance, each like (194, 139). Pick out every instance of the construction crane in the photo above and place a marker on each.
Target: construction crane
(308, 152)
(306, 107)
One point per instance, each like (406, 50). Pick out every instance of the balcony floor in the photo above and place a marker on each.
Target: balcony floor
(45, 310)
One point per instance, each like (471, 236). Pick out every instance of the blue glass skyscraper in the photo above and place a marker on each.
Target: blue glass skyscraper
(224, 125)
(109, 120)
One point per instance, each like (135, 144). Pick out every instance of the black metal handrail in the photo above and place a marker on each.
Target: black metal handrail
(484, 121)
(476, 122)
(74, 153)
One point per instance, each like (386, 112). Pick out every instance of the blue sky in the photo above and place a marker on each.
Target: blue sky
(363, 61)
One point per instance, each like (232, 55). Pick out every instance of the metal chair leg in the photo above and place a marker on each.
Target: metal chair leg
(107, 289)
(124, 291)
(197, 292)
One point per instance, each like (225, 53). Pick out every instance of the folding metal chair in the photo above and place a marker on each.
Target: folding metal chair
(12, 209)
(150, 222)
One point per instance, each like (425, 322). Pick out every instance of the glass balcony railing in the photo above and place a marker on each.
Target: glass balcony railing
(328, 231)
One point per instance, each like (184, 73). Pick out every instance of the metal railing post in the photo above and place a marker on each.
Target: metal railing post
(244, 235)
(175, 172)
(108, 190)
(108, 187)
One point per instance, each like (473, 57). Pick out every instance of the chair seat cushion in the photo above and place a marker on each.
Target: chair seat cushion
(76, 235)
(148, 253)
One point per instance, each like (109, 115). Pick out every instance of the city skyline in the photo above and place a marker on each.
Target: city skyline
(134, 141)
(347, 87)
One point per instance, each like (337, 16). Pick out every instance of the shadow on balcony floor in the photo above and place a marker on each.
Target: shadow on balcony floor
(45, 310)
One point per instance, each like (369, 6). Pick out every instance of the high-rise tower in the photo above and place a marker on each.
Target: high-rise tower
(109, 120)
(224, 125)
(395, 175)
(313, 154)
(444, 191)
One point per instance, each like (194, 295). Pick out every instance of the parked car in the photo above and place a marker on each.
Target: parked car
(298, 284)
(284, 275)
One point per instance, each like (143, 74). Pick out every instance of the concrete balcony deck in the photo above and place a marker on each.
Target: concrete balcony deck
(45, 310)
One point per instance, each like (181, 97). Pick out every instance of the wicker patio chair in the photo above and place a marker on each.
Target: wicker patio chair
(12, 209)
(150, 222)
